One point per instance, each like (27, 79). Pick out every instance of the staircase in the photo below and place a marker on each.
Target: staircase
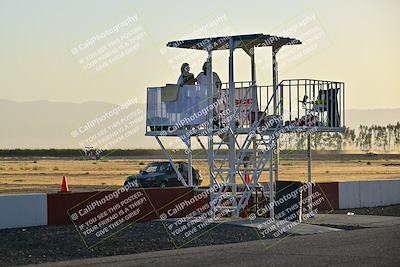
(253, 155)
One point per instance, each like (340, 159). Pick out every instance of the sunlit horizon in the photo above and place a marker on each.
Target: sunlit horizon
(357, 45)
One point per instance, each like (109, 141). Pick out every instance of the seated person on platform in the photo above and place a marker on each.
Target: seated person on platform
(202, 79)
(186, 78)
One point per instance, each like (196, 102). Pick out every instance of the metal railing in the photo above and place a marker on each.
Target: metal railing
(308, 102)
(299, 102)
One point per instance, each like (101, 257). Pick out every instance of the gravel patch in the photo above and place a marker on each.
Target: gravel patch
(393, 210)
(57, 243)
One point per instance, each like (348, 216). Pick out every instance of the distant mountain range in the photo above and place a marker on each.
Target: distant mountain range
(46, 124)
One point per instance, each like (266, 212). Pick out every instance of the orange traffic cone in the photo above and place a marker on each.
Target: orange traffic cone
(64, 185)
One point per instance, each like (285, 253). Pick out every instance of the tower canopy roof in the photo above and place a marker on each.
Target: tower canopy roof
(246, 41)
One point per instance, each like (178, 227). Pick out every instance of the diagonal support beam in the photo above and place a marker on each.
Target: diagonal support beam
(180, 178)
(188, 142)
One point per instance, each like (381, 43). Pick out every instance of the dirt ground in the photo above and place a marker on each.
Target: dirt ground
(41, 244)
(45, 174)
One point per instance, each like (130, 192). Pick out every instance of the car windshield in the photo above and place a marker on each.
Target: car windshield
(151, 168)
(157, 167)
(164, 167)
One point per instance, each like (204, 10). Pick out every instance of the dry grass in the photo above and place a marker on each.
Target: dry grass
(45, 175)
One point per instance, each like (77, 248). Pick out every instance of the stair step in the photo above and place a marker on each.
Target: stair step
(225, 207)
(250, 150)
(241, 170)
(228, 184)
(248, 163)
(253, 169)
(220, 143)
(251, 162)
(225, 170)
(260, 139)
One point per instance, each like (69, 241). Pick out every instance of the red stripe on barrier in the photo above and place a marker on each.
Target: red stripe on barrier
(330, 192)
(160, 200)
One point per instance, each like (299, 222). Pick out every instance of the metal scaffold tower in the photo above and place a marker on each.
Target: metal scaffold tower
(244, 125)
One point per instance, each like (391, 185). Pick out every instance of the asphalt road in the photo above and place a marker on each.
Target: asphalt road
(364, 247)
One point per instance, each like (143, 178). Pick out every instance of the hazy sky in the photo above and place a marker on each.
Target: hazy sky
(351, 41)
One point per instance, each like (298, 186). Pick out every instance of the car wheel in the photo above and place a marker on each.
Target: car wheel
(163, 185)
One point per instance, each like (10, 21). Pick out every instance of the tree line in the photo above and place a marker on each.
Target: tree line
(365, 138)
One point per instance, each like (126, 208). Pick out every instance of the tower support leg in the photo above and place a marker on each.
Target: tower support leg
(189, 153)
(232, 129)
(271, 187)
(309, 177)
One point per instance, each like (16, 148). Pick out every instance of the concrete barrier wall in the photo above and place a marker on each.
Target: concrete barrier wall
(330, 193)
(51, 209)
(160, 201)
(23, 210)
(350, 195)
(364, 194)
(390, 191)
